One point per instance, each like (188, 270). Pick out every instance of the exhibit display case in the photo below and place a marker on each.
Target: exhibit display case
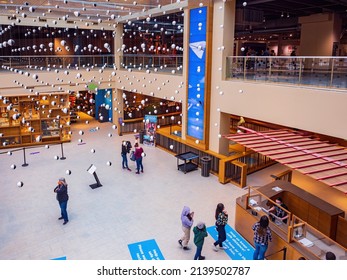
(31, 120)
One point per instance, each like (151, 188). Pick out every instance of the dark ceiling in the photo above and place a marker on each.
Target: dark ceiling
(265, 16)
(273, 9)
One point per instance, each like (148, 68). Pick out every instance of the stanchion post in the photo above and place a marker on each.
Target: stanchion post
(62, 152)
(25, 163)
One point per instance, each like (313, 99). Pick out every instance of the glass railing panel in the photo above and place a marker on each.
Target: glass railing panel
(316, 71)
(284, 70)
(314, 241)
(327, 72)
(260, 205)
(156, 63)
(56, 62)
(339, 76)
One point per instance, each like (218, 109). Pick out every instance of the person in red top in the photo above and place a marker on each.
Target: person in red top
(138, 158)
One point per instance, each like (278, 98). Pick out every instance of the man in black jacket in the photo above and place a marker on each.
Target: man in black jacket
(62, 197)
(126, 147)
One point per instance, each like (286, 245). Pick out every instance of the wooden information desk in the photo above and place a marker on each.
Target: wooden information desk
(317, 213)
(313, 210)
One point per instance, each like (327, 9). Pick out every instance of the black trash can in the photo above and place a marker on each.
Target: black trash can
(141, 135)
(205, 166)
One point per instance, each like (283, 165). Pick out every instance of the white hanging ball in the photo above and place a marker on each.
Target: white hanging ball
(56, 157)
(68, 172)
(109, 135)
(109, 163)
(20, 184)
(114, 126)
(92, 151)
(244, 4)
(242, 49)
(143, 154)
(13, 166)
(76, 13)
(47, 147)
(171, 147)
(80, 132)
(38, 138)
(197, 141)
(10, 42)
(80, 140)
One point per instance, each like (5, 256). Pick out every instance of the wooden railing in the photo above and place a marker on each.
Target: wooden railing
(235, 168)
(284, 176)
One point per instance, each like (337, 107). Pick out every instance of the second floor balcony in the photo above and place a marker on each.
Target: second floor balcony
(325, 72)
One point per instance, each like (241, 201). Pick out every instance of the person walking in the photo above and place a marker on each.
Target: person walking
(138, 158)
(221, 217)
(126, 147)
(199, 237)
(187, 222)
(62, 197)
(262, 236)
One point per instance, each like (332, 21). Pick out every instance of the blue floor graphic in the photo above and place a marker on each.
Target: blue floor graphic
(238, 248)
(145, 250)
(60, 259)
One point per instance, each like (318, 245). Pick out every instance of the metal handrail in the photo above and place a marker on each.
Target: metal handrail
(308, 71)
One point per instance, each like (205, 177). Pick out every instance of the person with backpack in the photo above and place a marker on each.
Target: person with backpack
(126, 147)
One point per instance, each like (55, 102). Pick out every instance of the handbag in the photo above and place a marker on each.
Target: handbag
(132, 156)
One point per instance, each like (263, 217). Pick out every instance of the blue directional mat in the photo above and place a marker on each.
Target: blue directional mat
(145, 250)
(238, 248)
(60, 259)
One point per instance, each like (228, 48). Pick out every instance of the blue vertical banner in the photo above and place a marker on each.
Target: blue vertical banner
(196, 72)
(237, 248)
(104, 98)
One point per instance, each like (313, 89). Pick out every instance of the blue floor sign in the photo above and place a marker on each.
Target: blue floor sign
(238, 248)
(60, 258)
(145, 250)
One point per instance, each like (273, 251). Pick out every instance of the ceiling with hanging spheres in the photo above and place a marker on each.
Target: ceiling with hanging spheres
(102, 10)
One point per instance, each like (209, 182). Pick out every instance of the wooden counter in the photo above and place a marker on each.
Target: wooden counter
(318, 213)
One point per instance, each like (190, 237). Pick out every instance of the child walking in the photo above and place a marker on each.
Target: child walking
(199, 236)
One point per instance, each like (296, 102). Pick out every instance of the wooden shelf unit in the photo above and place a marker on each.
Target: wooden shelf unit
(33, 120)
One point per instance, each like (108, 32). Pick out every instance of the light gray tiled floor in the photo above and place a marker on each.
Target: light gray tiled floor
(128, 208)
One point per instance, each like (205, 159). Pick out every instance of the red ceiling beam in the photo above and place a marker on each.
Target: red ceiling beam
(340, 183)
(324, 169)
(299, 160)
(332, 176)
(315, 164)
